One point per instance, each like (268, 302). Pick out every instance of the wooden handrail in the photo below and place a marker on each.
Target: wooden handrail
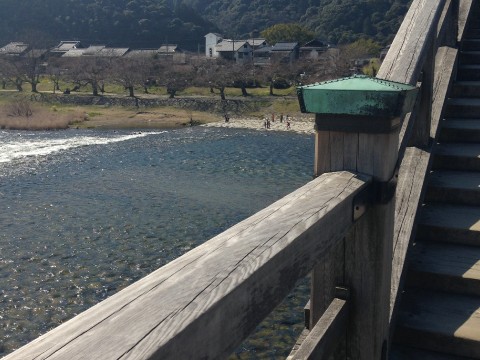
(203, 304)
(326, 334)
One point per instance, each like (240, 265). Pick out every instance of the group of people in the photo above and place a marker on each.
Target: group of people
(267, 122)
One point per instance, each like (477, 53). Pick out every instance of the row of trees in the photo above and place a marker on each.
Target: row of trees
(140, 73)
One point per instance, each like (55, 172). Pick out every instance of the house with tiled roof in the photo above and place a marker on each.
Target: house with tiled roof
(285, 52)
(65, 46)
(313, 49)
(14, 49)
(261, 56)
(136, 53)
(112, 52)
(238, 50)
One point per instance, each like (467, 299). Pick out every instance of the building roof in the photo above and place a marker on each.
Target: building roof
(230, 45)
(14, 48)
(257, 42)
(216, 34)
(92, 50)
(285, 46)
(111, 52)
(316, 43)
(168, 48)
(142, 52)
(64, 46)
(74, 53)
(263, 50)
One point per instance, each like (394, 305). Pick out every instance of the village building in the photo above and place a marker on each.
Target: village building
(238, 50)
(313, 49)
(14, 49)
(284, 52)
(261, 56)
(211, 41)
(65, 46)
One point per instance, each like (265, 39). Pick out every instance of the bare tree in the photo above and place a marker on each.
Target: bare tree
(55, 71)
(125, 72)
(276, 74)
(6, 71)
(176, 78)
(242, 76)
(216, 73)
(88, 70)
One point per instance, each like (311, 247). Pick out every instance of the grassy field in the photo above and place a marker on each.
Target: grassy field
(46, 116)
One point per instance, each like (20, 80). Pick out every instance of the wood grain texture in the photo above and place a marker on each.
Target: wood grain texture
(465, 7)
(413, 171)
(184, 310)
(405, 59)
(323, 338)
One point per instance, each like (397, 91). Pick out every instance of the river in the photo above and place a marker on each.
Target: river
(84, 213)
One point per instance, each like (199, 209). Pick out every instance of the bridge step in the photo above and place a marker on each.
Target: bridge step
(456, 156)
(440, 322)
(466, 89)
(474, 33)
(401, 352)
(463, 108)
(469, 72)
(445, 267)
(454, 187)
(455, 224)
(471, 45)
(460, 130)
(470, 57)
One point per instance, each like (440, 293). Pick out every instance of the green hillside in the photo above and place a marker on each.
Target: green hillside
(148, 23)
(339, 21)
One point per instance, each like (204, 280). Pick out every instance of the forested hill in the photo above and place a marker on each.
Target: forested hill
(128, 23)
(148, 23)
(339, 21)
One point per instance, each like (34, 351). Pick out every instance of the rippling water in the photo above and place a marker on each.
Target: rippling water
(85, 213)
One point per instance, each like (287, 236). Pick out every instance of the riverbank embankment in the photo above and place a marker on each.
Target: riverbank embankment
(57, 111)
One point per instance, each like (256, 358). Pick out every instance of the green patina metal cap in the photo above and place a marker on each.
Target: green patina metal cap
(357, 104)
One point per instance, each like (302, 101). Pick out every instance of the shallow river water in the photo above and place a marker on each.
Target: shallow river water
(84, 213)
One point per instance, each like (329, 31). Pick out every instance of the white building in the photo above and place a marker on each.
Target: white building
(211, 41)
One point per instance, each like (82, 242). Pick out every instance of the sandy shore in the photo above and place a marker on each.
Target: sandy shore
(302, 125)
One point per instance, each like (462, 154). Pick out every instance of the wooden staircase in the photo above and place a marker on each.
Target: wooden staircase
(439, 315)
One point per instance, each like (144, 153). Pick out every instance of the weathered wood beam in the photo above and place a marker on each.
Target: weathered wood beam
(464, 11)
(407, 54)
(203, 304)
(326, 334)
(413, 171)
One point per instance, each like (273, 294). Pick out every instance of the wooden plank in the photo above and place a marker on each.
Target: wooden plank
(325, 336)
(184, 310)
(408, 198)
(464, 11)
(448, 24)
(413, 170)
(336, 151)
(350, 143)
(445, 267)
(440, 322)
(445, 67)
(404, 352)
(405, 59)
(322, 153)
(325, 277)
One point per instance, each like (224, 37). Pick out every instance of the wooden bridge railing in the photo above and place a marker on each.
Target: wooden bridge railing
(205, 303)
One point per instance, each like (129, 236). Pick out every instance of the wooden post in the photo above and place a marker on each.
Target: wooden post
(363, 262)
(421, 129)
